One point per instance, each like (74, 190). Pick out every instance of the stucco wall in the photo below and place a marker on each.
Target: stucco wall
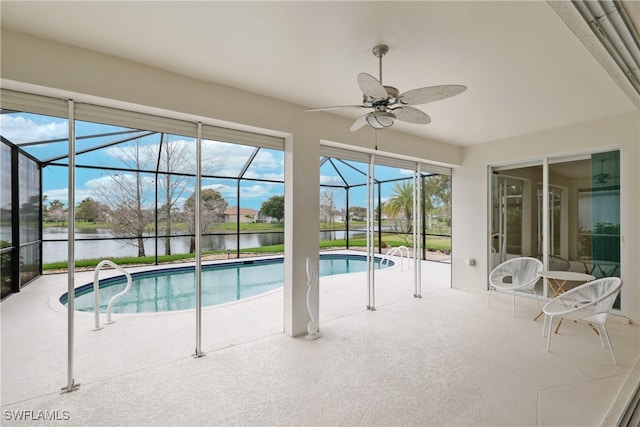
(470, 194)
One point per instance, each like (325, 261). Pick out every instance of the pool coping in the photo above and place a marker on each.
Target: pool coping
(56, 305)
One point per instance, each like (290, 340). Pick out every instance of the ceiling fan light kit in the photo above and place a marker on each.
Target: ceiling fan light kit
(380, 119)
(389, 104)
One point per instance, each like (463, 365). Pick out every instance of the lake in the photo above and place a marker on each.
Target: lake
(85, 248)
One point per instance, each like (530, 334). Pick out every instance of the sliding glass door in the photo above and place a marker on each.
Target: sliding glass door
(513, 215)
(577, 227)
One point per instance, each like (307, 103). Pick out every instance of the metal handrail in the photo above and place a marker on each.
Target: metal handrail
(403, 251)
(96, 292)
(7, 249)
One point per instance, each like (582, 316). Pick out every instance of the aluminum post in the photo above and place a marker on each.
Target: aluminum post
(198, 351)
(71, 265)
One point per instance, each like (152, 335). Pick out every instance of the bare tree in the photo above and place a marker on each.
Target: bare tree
(173, 158)
(177, 157)
(328, 207)
(130, 219)
(125, 194)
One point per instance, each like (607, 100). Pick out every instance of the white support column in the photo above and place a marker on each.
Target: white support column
(545, 220)
(302, 225)
(371, 244)
(198, 272)
(71, 263)
(417, 215)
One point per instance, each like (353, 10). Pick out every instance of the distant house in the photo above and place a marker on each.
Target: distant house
(246, 214)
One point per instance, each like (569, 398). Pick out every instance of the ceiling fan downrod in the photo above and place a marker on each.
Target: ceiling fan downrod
(379, 51)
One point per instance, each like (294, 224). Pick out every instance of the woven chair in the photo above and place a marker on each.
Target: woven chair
(515, 275)
(556, 263)
(589, 303)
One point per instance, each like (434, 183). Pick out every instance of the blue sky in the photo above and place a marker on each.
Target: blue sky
(219, 158)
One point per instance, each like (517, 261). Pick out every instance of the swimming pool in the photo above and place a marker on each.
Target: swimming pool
(174, 288)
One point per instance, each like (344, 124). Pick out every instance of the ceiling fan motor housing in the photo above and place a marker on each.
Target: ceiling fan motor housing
(391, 99)
(392, 95)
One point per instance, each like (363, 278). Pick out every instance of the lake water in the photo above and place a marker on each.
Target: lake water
(91, 249)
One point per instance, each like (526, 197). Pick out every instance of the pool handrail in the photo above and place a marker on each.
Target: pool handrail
(96, 292)
(403, 251)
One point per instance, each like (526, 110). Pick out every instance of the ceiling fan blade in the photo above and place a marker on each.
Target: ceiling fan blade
(411, 115)
(371, 87)
(430, 94)
(359, 123)
(337, 107)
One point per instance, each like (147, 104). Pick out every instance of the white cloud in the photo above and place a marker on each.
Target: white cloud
(99, 182)
(20, 129)
(330, 180)
(256, 191)
(105, 190)
(227, 191)
(218, 158)
(228, 159)
(267, 176)
(267, 161)
(62, 194)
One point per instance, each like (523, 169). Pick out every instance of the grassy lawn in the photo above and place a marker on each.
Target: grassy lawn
(244, 226)
(178, 226)
(389, 240)
(79, 224)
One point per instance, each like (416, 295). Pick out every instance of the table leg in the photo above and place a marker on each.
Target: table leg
(559, 323)
(556, 291)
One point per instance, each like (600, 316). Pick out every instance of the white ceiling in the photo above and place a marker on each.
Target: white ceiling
(524, 68)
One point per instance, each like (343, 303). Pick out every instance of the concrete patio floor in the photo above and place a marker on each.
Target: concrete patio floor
(442, 360)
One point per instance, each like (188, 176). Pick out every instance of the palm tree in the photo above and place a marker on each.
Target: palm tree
(401, 202)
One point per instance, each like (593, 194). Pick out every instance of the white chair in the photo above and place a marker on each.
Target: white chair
(516, 275)
(556, 263)
(589, 303)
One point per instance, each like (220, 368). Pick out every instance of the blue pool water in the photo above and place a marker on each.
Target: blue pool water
(174, 288)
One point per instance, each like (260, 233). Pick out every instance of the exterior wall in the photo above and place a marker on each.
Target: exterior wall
(470, 195)
(246, 215)
(44, 67)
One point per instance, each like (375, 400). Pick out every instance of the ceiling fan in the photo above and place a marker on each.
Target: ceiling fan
(389, 104)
